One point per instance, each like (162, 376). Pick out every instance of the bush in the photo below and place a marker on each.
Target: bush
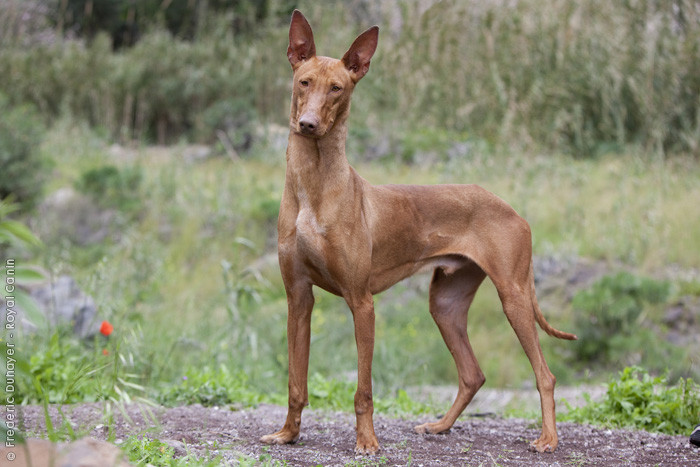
(609, 317)
(23, 170)
(640, 401)
(111, 187)
(161, 89)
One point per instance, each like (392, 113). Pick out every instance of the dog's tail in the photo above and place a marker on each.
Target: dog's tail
(546, 327)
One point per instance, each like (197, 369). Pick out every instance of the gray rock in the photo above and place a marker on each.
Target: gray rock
(86, 452)
(62, 303)
(66, 214)
(196, 153)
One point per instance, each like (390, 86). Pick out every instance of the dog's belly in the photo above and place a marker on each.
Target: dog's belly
(385, 278)
(315, 249)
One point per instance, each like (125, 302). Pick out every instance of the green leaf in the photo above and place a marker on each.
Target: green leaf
(28, 275)
(19, 232)
(626, 406)
(31, 309)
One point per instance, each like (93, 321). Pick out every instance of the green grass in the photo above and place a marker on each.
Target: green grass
(152, 451)
(639, 401)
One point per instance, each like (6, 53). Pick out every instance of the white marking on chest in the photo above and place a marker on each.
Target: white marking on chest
(307, 223)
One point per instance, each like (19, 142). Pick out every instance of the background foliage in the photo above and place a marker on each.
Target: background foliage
(580, 77)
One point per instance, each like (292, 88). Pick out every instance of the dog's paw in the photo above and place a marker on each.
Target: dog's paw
(431, 428)
(281, 437)
(367, 447)
(366, 450)
(543, 444)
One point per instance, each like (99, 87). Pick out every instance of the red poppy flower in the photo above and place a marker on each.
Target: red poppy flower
(106, 328)
(105, 352)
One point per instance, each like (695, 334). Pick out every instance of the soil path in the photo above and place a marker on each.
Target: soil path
(328, 438)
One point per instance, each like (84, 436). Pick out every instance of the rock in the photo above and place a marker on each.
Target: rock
(179, 448)
(196, 153)
(62, 302)
(86, 452)
(683, 314)
(122, 153)
(567, 274)
(675, 315)
(681, 318)
(66, 214)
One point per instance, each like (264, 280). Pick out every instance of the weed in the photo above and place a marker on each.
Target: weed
(68, 371)
(212, 387)
(640, 401)
(577, 459)
(189, 289)
(368, 461)
(148, 451)
(265, 460)
(689, 287)
(16, 238)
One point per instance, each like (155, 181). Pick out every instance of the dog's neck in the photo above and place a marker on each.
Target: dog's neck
(317, 165)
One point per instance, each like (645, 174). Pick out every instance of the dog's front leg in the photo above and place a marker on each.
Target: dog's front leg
(363, 315)
(300, 301)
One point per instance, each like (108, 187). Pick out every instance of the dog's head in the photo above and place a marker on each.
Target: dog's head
(323, 85)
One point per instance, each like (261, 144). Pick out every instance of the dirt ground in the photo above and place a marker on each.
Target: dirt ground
(328, 438)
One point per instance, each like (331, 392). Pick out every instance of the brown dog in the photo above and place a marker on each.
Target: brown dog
(340, 233)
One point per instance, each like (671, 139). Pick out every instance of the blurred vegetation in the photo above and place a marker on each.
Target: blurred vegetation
(502, 94)
(612, 319)
(573, 76)
(23, 169)
(111, 187)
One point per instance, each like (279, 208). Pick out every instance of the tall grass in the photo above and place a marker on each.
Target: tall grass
(574, 76)
(581, 76)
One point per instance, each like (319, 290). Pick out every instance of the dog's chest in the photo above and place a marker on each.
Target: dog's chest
(308, 225)
(311, 237)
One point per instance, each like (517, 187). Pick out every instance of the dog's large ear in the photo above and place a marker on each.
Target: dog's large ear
(301, 40)
(357, 58)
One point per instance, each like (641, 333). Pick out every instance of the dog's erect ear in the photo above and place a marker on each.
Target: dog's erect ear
(301, 40)
(357, 58)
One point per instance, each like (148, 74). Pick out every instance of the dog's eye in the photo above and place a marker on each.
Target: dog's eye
(304, 82)
(336, 88)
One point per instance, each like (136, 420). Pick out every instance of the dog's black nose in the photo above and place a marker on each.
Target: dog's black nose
(308, 123)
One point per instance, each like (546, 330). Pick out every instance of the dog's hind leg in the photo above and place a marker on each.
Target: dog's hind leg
(518, 307)
(450, 298)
